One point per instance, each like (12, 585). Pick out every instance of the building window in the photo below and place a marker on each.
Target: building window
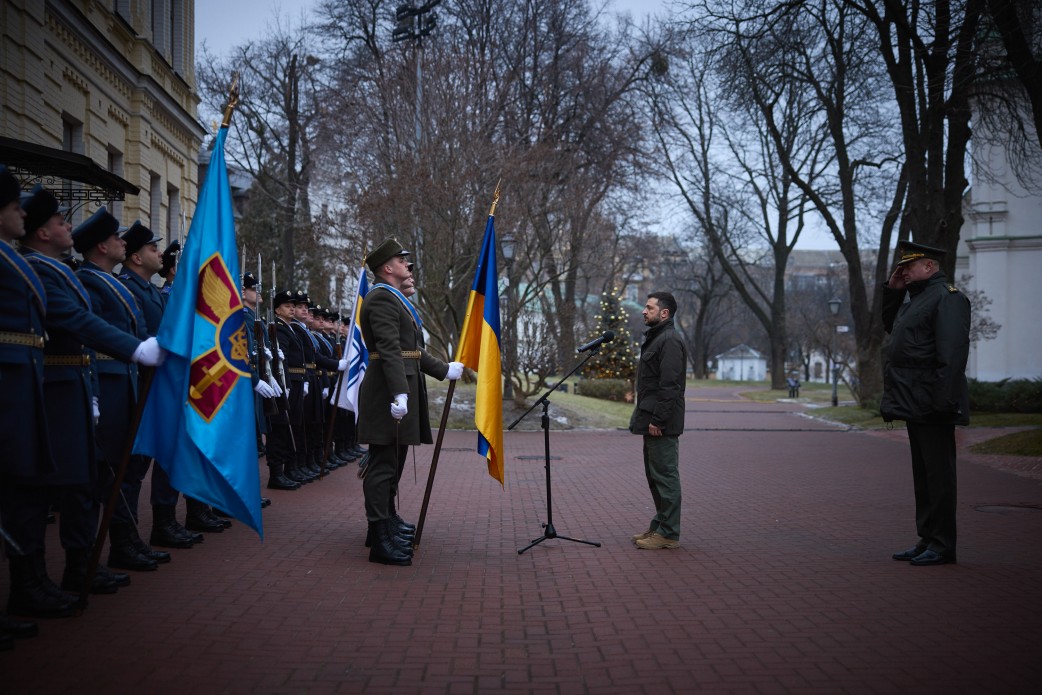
(173, 214)
(72, 141)
(115, 165)
(155, 203)
(177, 36)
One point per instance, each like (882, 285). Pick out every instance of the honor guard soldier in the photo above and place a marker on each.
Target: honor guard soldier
(393, 397)
(143, 260)
(265, 388)
(286, 438)
(73, 330)
(23, 427)
(98, 241)
(169, 270)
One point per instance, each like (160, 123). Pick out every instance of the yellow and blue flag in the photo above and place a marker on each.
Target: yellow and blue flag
(479, 350)
(198, 420)
(357, 353)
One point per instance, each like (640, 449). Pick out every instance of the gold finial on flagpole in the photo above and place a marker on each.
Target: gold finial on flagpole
(495, 199)
(233, 100)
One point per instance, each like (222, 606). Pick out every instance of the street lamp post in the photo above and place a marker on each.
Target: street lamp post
(412, 23)
(507, 244)
(834, 305)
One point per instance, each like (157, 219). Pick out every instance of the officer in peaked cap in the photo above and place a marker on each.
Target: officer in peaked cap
(924, 384)
(23, 426)
(383, 253)
(96, 229)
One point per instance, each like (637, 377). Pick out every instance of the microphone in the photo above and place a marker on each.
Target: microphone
(606, 338)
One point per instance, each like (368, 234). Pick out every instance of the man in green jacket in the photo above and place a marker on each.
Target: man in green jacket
(659, 417)
(924, 384)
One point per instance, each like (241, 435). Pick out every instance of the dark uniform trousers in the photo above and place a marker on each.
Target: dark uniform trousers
(934, 478)
(386, 465)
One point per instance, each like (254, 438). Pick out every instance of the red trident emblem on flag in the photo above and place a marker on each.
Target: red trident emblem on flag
(214, 374)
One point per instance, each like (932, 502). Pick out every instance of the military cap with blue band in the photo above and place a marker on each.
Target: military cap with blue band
(138, 236)
(96, 229)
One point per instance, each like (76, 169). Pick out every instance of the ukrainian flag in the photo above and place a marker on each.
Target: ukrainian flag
(198, 419)
(479, 350)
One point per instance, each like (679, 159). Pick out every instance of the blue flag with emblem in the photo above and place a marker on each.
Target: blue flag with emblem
(198, 419)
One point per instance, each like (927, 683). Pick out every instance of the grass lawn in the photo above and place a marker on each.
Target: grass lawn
(1027, 443)
(570, 411)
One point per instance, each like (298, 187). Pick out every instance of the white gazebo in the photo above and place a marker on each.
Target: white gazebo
(741, 363)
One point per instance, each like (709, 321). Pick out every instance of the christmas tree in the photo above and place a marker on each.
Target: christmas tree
(617, 359)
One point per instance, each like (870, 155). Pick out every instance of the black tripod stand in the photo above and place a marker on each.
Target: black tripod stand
(548, 528)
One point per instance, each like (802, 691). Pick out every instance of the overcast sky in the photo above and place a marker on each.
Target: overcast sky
(223, 24)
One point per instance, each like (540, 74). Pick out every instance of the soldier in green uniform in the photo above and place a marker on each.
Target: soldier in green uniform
(924, 384)
(393, 396)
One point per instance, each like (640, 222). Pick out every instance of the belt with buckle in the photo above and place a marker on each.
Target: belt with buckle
(66, 360)
(27, 339)
(406, 354)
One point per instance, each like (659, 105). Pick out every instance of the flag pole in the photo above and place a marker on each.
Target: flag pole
(145, 386)
(444, 418)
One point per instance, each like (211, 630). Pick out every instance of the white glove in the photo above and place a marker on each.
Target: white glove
(267, 353)
(455, 371)
(400, 406)
(149, 353)
(94, 409)
(306, 389)
(275, 387)
(282, 355)
(344, 364)
(325, 392)
(264, 390)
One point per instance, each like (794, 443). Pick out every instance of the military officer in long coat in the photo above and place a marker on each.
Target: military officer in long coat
(393, 396)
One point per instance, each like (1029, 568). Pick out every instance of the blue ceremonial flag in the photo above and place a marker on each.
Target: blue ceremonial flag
(357, 353)
(198, 422)
(479, 350)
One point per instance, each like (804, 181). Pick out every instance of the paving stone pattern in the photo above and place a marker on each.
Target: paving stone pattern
(783, 583)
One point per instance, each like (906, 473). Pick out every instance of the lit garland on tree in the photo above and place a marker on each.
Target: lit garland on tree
(617, 359)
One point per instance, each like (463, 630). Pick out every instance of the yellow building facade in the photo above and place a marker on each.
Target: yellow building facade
(110, 81)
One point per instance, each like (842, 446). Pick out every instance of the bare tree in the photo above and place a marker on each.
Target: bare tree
(273, 132)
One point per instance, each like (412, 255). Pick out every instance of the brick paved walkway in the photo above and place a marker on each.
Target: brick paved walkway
(783, 582)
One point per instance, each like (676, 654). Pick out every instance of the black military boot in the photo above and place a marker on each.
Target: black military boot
(384, 550)
(75, 575)
(402, 542)
(166, 532)
(19, 629)
(29, 594)
(277, 479)
(160, 557)
(200, 518)
(123, 554)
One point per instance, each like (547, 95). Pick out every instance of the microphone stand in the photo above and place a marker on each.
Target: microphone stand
(548, 528)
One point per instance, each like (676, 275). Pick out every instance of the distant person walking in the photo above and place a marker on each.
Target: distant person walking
(659, 417)
(924, 384)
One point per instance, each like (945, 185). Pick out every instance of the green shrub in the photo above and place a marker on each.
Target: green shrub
(1006, 396)
(606, 389)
